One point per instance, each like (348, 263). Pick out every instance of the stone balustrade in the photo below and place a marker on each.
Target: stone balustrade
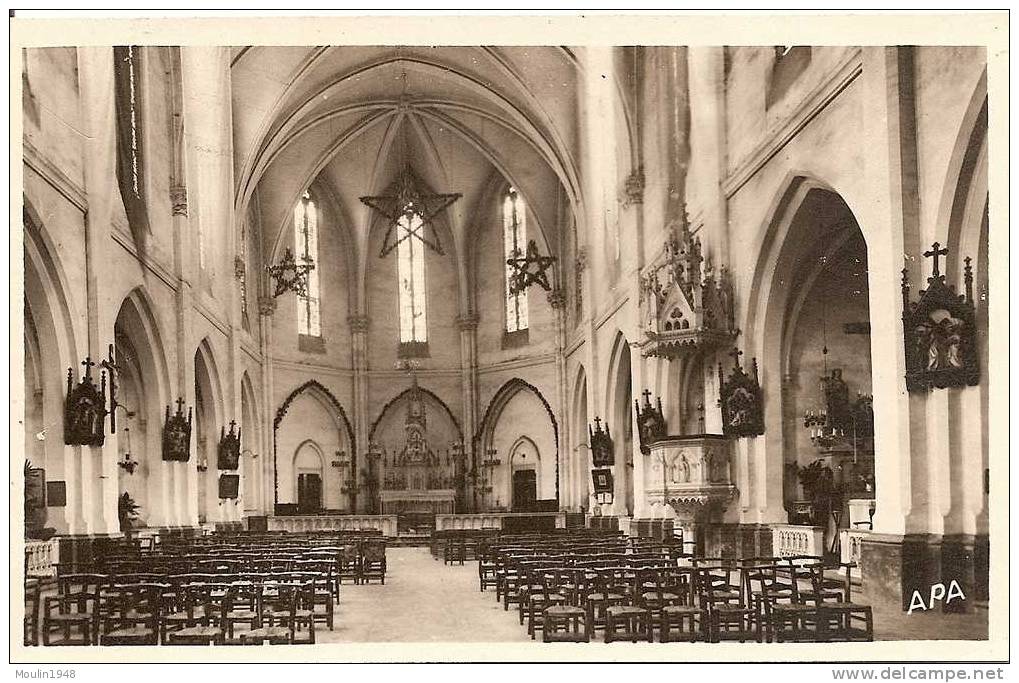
(303, 523)
(852, 547)
(491, 520)
(42, 557)
(795, 539)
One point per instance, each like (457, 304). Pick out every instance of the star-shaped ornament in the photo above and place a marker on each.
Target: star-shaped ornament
(530, 269)
(404, 201)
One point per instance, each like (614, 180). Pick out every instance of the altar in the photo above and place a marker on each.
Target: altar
(431, 501)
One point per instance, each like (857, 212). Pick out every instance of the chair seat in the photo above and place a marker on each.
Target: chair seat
(732, 609)
(681, 609)
(655, 596)
(784, 607)
(73, 617)
(604, 596)
(846, 606)
(133, 632)
(625, 611)
(242, 614)
(197, 632)
(565, 611)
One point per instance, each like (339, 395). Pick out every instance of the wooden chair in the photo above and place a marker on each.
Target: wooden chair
(131, 615)
(781, 614)
(373, 561)
(33, 592)
(562, 621)
(839, 620)
(75, 607)
(291, 606)
(687, 619)
(606, 593)
(242, 604)
(455, 551)
(729, 616)
(543, 591)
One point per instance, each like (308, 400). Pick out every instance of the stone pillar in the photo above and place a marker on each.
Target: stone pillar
(266, 307)
(359, 350)
(900, 555)
(564, 474)
(98, 483)
(468, 326)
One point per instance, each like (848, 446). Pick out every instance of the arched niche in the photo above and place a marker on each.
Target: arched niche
(142, 392)
(208, 417)
(619, 417)
(813, 296)
(311, 409)
(519, 421)
(50, 349)
(579, 457)
(251, 451)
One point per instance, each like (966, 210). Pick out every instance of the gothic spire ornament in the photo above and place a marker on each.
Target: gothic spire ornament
(402, 202)
(529, 269)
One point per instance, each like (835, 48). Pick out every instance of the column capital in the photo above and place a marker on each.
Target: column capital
(266, 305)
(358, 323)
(179, 200)
(557, 298)
(468, 322)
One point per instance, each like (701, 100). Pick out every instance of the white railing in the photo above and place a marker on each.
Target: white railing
(490, 520)
(794, 539)
(852, 548)
(298, 523)
(42, 557)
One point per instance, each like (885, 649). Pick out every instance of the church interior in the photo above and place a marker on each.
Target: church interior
(654, 343)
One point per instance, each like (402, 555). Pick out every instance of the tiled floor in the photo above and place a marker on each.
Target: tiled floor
(423, 600)
(426, 601)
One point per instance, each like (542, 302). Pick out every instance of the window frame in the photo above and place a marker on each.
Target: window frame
(516, 335)
(312, 301)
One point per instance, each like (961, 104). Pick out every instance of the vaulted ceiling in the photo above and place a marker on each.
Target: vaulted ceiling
(348, 119)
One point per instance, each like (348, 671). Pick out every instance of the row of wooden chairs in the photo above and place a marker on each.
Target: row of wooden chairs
(629, 595)
(89, 611)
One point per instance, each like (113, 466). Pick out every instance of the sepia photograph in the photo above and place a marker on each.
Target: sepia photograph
(509, 338)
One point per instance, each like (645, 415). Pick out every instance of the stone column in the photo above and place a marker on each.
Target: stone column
(468, 326)
(359, 350)
(557, 300)
(266, 307)
(98, 482)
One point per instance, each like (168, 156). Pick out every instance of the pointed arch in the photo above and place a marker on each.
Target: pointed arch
(396, 399)
(317, 390)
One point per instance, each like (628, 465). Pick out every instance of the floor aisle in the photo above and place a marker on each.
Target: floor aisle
(423, 601)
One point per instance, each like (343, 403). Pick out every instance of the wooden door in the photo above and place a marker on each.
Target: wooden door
(309, 493)
(525, 490)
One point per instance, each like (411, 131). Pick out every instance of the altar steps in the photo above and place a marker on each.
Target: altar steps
(409, 539)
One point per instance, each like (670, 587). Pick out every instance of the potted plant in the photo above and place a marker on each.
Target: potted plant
(127, 511)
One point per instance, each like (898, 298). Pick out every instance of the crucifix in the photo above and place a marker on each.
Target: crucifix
(597, 424)
(647, 396)
(736, 353)
(935, 252)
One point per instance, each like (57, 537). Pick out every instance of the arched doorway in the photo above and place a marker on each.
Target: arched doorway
(141, 395)
(208, 403)
(309, 475)
(580, 460)
(814, 349)
(619, 413)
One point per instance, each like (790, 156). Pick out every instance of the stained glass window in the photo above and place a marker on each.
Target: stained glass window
(306, 247)
(411, 271)
(514, 231)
